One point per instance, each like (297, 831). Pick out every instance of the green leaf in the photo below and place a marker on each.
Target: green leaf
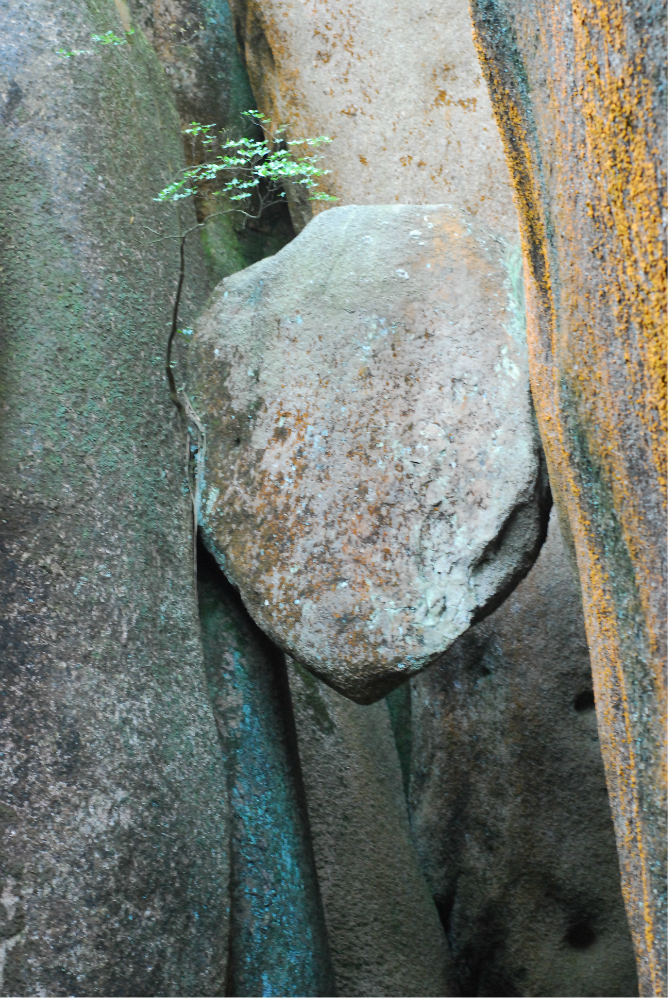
(109, 38)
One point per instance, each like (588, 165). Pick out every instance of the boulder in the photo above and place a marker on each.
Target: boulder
(509, 806)
(114, 864)
(398, 89)
(374, 479)
(384, 932)
(278, 940)
(579, 93)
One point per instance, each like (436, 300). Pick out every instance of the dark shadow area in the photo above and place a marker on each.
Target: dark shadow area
(584, 701)
(580, 935)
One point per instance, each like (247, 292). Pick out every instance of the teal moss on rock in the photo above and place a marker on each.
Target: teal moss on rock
(399, 706)
(278, 943)
(230, 243)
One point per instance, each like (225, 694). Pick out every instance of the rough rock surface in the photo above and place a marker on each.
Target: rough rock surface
(194, 40)
(278, 940)
(579, 90)
(509, 806)
(384, 931)
(113, 817)
(374, 478)
(397, 87)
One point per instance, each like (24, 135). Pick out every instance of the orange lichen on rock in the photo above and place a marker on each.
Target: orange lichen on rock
(582, 119)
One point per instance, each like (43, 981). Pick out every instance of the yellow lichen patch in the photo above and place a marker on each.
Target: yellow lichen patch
(579, 119)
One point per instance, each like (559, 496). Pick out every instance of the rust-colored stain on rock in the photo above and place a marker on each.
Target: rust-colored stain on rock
(374, 478)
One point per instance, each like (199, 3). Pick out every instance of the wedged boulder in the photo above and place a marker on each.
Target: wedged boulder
(579, 93)
(383, 928)
(398, 89)
(509, 807)
(374, 479)
(278, 940)
(114, 863)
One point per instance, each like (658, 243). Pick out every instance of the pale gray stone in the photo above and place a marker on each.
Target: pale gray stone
(383, 927)
(374, 477)
(398, 88)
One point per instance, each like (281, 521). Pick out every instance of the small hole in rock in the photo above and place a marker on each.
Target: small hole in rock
(580, 936)
(584, 701)
(237, 441)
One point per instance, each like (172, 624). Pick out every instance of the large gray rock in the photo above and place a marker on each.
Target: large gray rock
(399, 90)
(383, 928)
(374, 479)
(114, 863)
(509, 807)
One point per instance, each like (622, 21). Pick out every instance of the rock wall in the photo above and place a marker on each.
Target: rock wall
(397, 87)
(383, 928)
(114, 860)
(195, 43)
(509, 805)
(115, 820)
(278, 941)
(579, 90)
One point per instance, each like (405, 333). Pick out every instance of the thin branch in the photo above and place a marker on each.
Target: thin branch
(266, 166)
(175, 318)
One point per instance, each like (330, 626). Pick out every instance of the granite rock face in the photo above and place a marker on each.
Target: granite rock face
(399, 90)
(114, 863)
(579, 93)
(278, 940)
(384, 931)
(509, 806)
(195, 43)
(374, 480)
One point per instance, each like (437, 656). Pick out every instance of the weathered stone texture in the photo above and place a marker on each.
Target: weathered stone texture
(113, 821)
(398, 88)
(384, 931)
(579, 92)
(195, 43)
(374, 480)
(509, 806)
(278, 939)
